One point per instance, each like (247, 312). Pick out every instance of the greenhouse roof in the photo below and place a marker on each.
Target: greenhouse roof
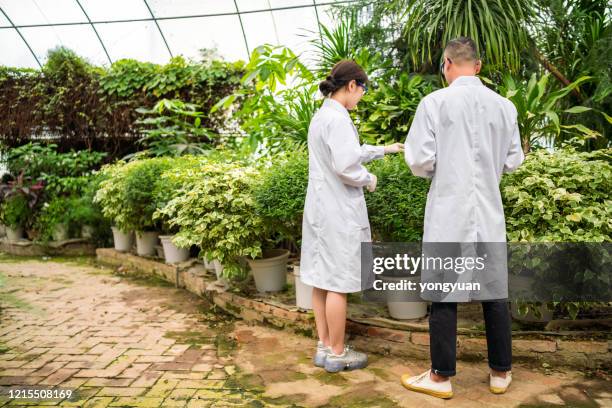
(104, 31)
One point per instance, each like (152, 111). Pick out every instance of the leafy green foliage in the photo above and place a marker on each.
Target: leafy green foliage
(15, 211)
(13, 194)
(560, 197)
(94, 108)
(387, 110)
(497, 27)
(281, 194)
(576, 36)
(127, 190)
(62, 173)
(174, 128)
(218, 213)
(538, 110)
(53, 213)
(396, 208)
(277, 98)
(108, 196)
(339, 43)
(182, 176)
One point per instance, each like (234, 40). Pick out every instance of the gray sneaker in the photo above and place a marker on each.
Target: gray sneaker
(348, 360)
(321, 354)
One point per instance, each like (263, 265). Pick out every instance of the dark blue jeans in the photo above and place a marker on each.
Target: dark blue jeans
(443, 336)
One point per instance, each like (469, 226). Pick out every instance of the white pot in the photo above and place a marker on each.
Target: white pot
(123, 240)
(146, 242)
(404, 304)
(172, 253)
(303, 292)
(14, 234)
(218, 267)
(270, 272)
(2, 230)
(87, 231)
(60, 232)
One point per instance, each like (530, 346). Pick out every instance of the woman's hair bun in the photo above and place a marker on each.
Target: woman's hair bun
(341, 74)
(328, 86)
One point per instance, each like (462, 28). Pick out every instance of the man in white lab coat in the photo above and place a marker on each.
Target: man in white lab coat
(464, 137)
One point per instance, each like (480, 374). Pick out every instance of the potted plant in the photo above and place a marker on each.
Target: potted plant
(85, 216)
(270, 269)
(404, 304)
(108, 196)
(15, 213)
(168, 186)
(126, 197)
(139, 203)
(54, 219)
(279, 199)
(218, 214)
(18, 198)
(405, 194)
(553, 201)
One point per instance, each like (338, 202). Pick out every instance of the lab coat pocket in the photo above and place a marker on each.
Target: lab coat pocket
(357, 212)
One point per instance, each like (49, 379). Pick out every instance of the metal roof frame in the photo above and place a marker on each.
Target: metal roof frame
(155, 19)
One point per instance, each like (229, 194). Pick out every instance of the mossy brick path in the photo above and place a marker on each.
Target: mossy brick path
(122, 342)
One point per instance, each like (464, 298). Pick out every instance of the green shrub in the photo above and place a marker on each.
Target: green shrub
(182, 176)
(281, 195)
(387, 110)
(58, 210)
(15, 211)
(173, 128)
(94, 107)
(108, 196)
(62, 173)
(396, 208)
(127, 191)
(218, 214)
(562, 196)
(138, 203)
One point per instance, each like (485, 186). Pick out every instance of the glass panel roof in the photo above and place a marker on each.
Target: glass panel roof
(153, 30)
(79, 38)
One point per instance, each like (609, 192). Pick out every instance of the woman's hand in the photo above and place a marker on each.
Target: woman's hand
(394, 148)
(372, 186)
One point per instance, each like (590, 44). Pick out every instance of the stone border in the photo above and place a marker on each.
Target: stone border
(70, 247)
(555, 349)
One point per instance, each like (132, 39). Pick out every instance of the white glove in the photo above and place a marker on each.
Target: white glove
(394, 148)
(372, 185)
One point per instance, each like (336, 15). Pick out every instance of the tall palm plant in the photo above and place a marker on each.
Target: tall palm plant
(338, 43)
(498, 27)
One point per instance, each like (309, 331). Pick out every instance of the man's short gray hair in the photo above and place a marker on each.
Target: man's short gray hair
(462, 49)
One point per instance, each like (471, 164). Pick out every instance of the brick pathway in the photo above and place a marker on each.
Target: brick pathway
(124, 342)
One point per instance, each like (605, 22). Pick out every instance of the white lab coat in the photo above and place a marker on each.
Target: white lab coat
(335, 215)
(464, 137)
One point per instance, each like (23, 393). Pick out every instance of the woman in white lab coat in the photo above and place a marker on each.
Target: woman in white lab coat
(335, 216)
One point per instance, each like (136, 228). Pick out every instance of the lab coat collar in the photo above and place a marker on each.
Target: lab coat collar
(334, 104)
(466, 80)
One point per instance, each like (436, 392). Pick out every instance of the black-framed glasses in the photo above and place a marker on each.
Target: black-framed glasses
(443, 63)
(363, 85)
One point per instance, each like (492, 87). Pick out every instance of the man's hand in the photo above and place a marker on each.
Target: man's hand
(372, 186)
(394, 148)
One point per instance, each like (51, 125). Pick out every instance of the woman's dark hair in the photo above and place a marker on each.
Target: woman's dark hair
(341, 74)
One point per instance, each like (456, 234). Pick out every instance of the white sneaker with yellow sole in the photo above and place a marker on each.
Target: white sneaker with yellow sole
(499, 385)
(423, 383)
